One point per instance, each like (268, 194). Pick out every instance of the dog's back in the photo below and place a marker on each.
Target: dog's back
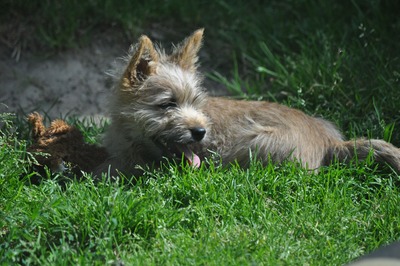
(274, 132)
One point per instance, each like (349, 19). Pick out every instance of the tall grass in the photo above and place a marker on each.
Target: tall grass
(336, 59)
(214, 215)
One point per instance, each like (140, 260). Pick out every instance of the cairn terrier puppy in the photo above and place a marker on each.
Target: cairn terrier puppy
(160, 110)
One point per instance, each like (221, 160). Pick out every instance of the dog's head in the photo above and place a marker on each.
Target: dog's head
(160, 97)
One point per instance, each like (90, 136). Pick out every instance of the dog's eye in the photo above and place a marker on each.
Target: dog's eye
(168, 105)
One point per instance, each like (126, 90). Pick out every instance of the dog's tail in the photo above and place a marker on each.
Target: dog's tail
(360, 149)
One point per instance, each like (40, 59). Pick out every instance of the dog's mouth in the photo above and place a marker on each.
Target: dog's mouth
(192, 158)
(176, 150)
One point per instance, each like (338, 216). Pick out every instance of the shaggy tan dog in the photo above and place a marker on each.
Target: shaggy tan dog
(160, 110)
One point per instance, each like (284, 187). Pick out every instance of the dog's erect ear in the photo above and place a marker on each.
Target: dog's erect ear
(185, 54)
(142, 63)
(36, 121)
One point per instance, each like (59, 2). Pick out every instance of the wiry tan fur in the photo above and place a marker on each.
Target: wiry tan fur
(159, 105)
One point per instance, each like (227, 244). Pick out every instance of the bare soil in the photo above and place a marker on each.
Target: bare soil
(70, 82)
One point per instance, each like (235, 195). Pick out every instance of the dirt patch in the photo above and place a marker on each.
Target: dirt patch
(72, 82)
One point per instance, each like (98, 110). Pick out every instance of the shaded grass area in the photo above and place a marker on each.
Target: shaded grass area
(337, 59)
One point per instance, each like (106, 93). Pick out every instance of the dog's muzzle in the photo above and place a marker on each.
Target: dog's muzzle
(178, 149)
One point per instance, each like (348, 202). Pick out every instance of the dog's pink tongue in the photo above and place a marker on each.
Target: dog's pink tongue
(193, 158)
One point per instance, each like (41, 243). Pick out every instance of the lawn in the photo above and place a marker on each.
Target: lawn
(334, 59)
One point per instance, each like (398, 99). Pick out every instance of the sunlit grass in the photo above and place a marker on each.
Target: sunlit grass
(212, 215)
(330, 59)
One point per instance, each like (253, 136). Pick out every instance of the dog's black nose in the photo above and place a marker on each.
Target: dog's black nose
(198, 133)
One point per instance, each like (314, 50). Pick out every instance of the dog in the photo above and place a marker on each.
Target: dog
(159, 110)
(61, 148)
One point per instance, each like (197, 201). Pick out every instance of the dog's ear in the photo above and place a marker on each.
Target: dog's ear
(36, 121)
(185, 54)
(142, 63)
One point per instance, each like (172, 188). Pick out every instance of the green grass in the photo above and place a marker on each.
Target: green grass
(335, 59)
(261, 215)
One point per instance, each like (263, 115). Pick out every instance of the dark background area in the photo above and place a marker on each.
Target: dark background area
(336, 59)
